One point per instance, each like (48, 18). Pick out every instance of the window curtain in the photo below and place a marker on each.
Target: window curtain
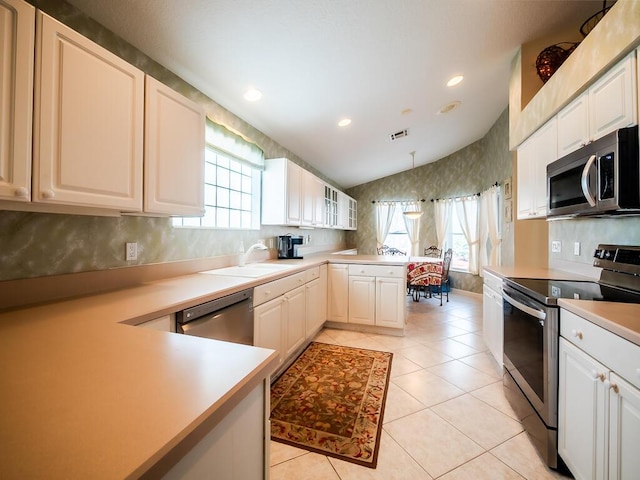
(413, 229)
(224, 140)
(384, 215)
(490, 236)
(467, 210)
(442, 212)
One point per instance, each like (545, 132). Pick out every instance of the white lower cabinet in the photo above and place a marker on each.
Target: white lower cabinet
(492, 322)
(376, 295)
(390, 299)
(338, 292)
(296, 319)
(598, 401)
(280, 313)
(268, 325)
(236, 448)
(362, 300)
(316, 300)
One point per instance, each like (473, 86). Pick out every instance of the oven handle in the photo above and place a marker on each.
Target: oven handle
(534, 312)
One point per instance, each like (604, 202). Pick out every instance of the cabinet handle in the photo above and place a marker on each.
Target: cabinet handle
(48, 194)
(598, 376)
(21, 192)
(614, 387)
(577, 334)
(267, 292)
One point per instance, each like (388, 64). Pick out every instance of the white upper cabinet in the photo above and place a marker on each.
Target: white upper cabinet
(573, 125)
(88, 123)
(16, 98)
(312, 200)
(533, 157)
(610, 103)
(613, 99)
(281, 192)
(174, 152)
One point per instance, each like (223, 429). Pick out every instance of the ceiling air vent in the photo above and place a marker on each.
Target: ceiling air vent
(398, 135)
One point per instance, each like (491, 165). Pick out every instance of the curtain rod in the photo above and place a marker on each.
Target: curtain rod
(462, 196)
(397, 201)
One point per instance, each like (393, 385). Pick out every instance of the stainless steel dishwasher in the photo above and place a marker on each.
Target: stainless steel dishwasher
(228, 318)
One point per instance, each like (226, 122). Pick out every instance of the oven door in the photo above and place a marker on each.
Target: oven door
(531, 351)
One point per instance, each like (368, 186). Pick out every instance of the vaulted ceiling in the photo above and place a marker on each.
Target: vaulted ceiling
(382, 63)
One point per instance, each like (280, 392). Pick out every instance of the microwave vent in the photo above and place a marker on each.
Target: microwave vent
(398, 135)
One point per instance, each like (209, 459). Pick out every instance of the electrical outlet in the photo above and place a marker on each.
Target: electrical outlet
(271, 242)
(131, 251)
(576, 248)
(556, 246)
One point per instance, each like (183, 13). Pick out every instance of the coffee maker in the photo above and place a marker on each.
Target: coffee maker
(288, 246)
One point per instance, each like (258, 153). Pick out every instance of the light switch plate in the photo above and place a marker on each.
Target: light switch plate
(555, 246)
(576, 248)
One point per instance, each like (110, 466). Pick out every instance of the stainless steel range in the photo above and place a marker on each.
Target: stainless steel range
(531, 333)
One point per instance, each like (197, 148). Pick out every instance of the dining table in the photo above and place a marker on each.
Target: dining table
(422, 274)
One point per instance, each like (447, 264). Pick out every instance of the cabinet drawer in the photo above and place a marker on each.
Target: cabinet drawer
(377, 270)
(493, 282)
(616, 353)
(269, 291)
(312, 273)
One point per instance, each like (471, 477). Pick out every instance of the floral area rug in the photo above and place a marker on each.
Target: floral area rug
(331, 401)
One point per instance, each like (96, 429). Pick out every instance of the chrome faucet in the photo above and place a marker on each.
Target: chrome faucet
(245, 256)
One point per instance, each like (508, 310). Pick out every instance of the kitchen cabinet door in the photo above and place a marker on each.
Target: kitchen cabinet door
(573, 125)
(533, 157)
(318, 206)
(613, 99)
(88, 124)
(624, 429)
(362, 299)
(338, 292)
(316, 298)
(492, 322)
(308, 198)
(582, 405)
(389, 304)
(296, 319)
(16, 99)
(268, 326)
(174, 152)
(281, 192)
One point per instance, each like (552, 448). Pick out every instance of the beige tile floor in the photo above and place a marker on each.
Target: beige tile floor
(445, 417)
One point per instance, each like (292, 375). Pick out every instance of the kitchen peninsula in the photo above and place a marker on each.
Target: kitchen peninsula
(87, 394)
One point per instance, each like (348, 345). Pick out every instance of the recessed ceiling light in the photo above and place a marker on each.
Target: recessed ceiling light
(252, 95)
(344, 122)
(454, 80)
(449, 107)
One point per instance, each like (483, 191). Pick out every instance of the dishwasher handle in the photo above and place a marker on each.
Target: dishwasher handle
(192, 313)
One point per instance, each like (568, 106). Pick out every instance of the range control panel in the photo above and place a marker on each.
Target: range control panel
(622, 258)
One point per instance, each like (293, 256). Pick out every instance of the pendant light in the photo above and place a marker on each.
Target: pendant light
(413, 211)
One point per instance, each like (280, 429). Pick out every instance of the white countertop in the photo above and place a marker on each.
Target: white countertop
(88, 395)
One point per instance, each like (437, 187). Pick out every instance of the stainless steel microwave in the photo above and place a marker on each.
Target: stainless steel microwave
(601, 178)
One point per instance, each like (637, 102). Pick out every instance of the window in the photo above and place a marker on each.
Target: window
(457, 241)
(231, 183)
(398, 236)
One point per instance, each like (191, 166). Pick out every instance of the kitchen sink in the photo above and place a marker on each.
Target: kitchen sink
(253, 270)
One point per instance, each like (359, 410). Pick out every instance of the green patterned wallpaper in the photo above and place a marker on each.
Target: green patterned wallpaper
(469, 170)
(34, 244)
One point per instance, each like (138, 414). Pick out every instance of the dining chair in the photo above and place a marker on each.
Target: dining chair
(433, 251)
(445, 284)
